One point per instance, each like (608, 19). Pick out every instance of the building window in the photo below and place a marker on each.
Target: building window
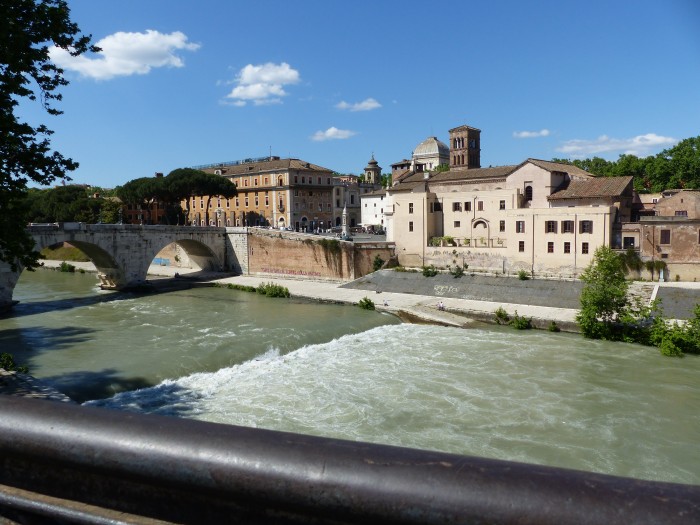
(502, 205)
(436, 207)
(246, 201)
(456, 224)
(567, 247)
(410, 209)
(266, 179)
(550, 247)
(201, 204)
(480, 205)
(567, 226)
(456, 206)
(319, 180)
(352, 199)
(410, 226)
(681, 213)
(267, 199)
(237, 202)
(296, 179)
(303, 180)
(255, 181)
(550, 226)
(519, 226)
(245, 182)
(467, 206)
(502, 226)
(528, 193)
(586, 226)
(521, 246)
(665, 237)
(628, 242)
(584, 247)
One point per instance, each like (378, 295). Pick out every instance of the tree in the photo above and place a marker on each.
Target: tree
(27, 27)
(604, 296)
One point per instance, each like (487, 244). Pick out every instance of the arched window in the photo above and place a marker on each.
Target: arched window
(528, 193)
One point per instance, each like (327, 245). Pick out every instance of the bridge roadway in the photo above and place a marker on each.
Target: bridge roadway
(122, 253)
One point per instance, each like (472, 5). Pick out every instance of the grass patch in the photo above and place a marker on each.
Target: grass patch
(63, 253)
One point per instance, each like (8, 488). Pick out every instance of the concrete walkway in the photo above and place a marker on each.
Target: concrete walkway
(458, 312)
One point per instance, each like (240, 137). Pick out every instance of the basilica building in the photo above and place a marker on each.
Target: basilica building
(543, 217)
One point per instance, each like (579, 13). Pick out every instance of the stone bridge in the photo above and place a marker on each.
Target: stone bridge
(122, 253)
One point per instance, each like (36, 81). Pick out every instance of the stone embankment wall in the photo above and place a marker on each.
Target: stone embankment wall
(506, 290)
(289, 254)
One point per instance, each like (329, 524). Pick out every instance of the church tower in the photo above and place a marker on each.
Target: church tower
(373, 172)
(465, 148)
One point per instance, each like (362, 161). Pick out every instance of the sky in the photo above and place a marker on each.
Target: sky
(181, 83)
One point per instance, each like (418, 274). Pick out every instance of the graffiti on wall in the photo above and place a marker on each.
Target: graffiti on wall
(284, 271)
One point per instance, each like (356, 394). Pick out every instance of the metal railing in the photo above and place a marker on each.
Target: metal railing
(63, 463)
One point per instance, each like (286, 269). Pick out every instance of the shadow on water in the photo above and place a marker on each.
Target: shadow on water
(167, 399)
(84, 385)
(18, 339)
(137, 394)
(159, 286)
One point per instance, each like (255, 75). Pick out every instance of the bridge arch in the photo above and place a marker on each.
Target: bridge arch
(123, 253)
(196, 251)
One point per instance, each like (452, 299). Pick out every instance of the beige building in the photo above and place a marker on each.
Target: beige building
(273, 192)
(542, 217)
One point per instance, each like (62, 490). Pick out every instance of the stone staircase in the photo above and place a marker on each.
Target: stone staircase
(645, 291)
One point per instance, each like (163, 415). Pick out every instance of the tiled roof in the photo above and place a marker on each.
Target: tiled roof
(558, 166)
(375, 193)
(269, 165)
(463, 127)
(593, 187)
(475, 173)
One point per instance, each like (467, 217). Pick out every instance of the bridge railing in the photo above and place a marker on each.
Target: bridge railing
(74, 464)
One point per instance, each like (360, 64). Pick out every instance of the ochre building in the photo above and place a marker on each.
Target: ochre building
(276, 192)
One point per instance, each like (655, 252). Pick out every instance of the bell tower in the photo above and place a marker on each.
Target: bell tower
(465, 148)
(373, 172)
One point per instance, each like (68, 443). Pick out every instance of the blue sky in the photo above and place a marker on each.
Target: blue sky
(182, 83)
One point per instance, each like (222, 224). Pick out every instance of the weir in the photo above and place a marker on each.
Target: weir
(70, 464)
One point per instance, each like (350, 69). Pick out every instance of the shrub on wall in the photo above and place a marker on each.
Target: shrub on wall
(366, 303)
(429, 271)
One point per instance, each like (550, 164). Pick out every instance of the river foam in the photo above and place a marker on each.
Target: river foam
(542, 398)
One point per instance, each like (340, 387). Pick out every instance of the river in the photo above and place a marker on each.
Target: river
(240, 358)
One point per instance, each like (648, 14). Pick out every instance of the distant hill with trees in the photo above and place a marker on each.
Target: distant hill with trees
(674, 168)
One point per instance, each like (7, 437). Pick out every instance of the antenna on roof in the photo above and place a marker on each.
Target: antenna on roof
(270, 152)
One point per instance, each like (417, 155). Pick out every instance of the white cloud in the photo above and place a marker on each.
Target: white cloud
(125, 54)
(641, 145)
(531, 134)
(263, 84)
(332, 133)
(366, 105)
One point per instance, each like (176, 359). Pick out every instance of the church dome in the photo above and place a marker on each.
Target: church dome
(431, 147)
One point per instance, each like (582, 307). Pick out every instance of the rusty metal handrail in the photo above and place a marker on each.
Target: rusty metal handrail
(90, 465)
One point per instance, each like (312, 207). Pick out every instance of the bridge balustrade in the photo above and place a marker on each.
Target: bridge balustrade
(63, 463)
